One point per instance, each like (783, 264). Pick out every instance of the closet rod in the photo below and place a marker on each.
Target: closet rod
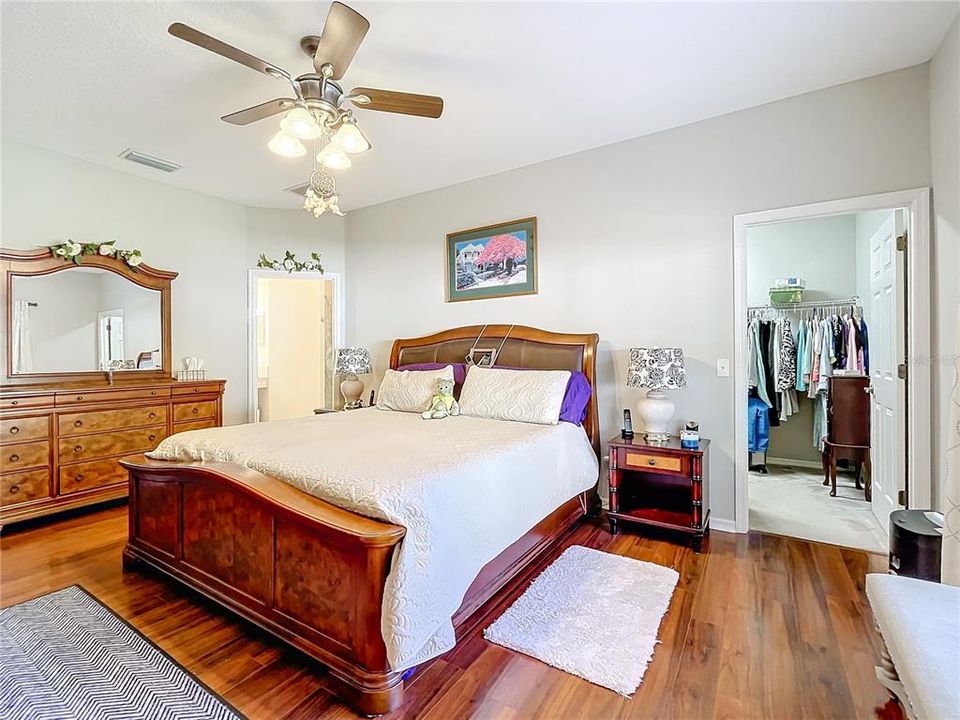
(855, 300)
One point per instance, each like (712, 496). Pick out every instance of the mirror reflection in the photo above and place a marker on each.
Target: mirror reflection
(84, 319)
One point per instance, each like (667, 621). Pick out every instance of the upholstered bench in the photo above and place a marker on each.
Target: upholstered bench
(919, 622)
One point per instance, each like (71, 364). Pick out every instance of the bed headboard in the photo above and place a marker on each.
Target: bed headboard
(524, 347)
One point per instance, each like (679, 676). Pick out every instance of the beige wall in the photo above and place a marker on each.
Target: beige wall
(945, 171)
(636, 238)
(295, 327)
(210, 242)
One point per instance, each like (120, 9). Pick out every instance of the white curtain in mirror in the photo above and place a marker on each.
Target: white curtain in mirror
(21, 350)
(86, 319)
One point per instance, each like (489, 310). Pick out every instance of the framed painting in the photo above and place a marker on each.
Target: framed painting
(492, 261)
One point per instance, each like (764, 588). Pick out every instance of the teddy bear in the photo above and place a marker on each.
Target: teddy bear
(443, 402)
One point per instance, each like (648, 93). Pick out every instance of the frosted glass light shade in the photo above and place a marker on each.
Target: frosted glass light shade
(301, 123)
(334, 158)
(283, 143)
(349, 138)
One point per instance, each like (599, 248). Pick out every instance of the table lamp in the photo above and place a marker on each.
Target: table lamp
(352, 361)
(657, 369)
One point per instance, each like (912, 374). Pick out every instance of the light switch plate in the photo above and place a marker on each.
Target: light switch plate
(723, 367)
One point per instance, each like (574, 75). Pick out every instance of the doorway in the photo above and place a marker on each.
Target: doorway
(845, 255)
(295, 325)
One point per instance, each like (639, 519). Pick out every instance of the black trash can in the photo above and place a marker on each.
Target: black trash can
(915, 544)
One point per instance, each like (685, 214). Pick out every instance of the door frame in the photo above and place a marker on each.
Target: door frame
(338, 321)
(919, 409)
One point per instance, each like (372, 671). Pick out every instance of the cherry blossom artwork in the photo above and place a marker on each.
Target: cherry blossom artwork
(494, 261)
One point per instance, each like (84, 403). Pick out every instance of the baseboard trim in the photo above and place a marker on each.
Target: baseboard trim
(795, 463)
(723, 525)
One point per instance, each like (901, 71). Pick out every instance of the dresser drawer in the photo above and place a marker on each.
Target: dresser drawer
(92, 447)
(24, 455)
(195, 425)
(194, 411)
(205, 389)
(21, 429)
(86, 422)
(652, 462)
(107, 396)
(27, 401)
(24, 486)
(89, 475)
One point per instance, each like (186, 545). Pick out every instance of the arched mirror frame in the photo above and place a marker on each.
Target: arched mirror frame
(27, 263)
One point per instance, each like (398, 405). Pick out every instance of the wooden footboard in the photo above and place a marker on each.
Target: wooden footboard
(308, 572)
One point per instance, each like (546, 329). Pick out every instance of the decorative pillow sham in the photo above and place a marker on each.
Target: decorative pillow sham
(532, 396)
(573, 410)
(459, 369)
(410, 390)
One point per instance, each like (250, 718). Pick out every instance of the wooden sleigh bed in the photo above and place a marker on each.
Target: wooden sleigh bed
(311, 573)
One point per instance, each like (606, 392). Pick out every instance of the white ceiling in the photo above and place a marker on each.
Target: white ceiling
(523, 82)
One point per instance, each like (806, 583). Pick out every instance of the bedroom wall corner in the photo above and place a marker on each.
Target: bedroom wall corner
(945, 172)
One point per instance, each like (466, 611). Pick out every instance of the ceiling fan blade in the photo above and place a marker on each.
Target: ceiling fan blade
(259, 112)
(185, 32)
(342, 34)
(429, 106)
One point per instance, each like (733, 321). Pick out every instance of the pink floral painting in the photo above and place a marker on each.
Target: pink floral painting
(492, 261)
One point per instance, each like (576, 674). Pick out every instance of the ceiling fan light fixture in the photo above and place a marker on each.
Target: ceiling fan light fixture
(283, 143)
(350, 138)
(300, 122)
(334, 158)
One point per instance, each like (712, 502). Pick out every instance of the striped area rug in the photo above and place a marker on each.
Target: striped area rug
(66, 656)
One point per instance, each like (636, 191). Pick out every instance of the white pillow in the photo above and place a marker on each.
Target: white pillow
(531, 396)
(410, 390)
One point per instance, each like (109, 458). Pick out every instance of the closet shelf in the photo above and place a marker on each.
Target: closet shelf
(811, 305)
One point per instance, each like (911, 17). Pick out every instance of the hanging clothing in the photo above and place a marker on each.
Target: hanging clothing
(768, 357)
(800, 383)
(787, 353)
(756, 374)
(865, 346)
(853, 354)
(820, 419)
(758, 425)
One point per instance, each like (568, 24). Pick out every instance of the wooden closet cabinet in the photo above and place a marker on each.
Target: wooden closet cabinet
(59, 447)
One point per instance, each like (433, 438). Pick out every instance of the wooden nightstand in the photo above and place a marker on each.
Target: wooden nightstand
(660, 484)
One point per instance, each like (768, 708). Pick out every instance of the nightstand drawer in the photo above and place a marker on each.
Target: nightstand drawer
(652, 462)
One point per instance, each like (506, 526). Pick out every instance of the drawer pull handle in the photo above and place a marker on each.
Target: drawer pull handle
(152, 438)
(14, 457)
(196, 389)
(195, 411)
(78, 448)
(79, 397)
(652, 461)
(14, 430)
(78, 477)
(152, 415)
(78, 423)
(14, 489)
(15, 402)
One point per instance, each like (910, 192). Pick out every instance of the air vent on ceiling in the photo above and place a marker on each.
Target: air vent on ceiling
(300, 189)
(150, 161)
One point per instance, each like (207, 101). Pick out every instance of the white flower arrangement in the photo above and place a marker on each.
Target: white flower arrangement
(291, 264)
(74, 251)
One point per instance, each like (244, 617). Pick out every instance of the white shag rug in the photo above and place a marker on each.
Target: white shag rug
(586, 608)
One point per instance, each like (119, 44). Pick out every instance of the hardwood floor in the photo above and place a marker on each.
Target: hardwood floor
(760, 626)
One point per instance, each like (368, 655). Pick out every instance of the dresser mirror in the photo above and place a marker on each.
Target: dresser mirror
(97, 319)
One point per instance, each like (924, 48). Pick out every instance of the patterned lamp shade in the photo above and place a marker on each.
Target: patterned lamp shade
(657, 368)
(353, 361)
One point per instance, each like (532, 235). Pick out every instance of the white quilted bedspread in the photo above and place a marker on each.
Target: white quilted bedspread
(464, 488)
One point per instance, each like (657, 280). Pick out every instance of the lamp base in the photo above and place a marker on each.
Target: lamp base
(352, 389)
(656, 411)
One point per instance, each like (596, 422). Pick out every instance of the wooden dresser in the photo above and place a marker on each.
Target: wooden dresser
(86, 378)
(59, 446)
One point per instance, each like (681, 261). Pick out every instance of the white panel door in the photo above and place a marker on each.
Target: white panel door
(886, 338)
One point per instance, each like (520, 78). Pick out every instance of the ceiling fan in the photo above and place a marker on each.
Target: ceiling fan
(319, 110)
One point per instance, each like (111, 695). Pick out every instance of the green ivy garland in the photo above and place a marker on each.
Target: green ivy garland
(291, 264)
(73, 252)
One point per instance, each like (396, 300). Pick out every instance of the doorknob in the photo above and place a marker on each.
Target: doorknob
(868, 389)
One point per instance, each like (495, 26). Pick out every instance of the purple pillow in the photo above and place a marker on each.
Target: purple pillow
(576, 397)
(459, 369)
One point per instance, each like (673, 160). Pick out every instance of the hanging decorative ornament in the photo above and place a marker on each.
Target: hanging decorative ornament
(321, 194)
